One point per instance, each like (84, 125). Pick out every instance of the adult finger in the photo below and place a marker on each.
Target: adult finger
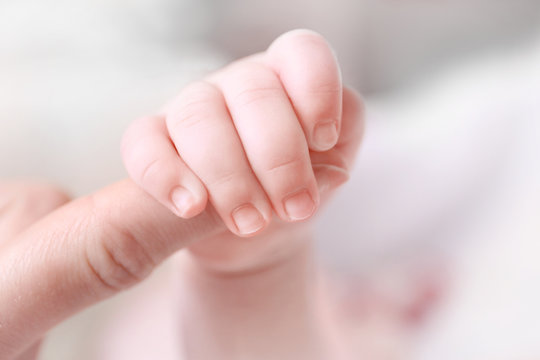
(23, 203)
(83, 252)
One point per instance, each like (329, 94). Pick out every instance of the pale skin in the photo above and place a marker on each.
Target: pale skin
(231, 170)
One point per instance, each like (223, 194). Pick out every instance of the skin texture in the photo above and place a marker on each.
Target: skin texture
(244, 138)
(260, 116)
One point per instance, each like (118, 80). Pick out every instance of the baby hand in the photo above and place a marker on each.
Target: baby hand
(254, 138)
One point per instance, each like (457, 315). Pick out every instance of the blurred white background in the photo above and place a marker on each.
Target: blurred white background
(449, 164)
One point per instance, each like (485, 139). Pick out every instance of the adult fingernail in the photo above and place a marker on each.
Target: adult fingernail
(183, 200)
(325, 135)
(248, 219)
(299, 206)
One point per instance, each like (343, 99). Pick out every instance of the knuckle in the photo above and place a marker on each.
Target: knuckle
(160, 176)
(324, 87)
(255, 94)
(49, 195)
(118, 260)
(31, 198)
(258, 83)
(246, 70)
(222, 178)
(150, 170)
(285, 165)
(153, 172)
(193, 105)
(290, 155)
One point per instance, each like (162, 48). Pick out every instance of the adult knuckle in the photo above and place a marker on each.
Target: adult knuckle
(33, 198)
(47, 193)
(118, 260)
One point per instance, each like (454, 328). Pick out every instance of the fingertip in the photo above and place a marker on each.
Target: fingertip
(248, 220)
(325, 136)
(296, 34)
(301, 205)
(309, 71)
(187, 203)
(183, 202)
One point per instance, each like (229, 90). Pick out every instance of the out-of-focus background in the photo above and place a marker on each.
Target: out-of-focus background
(450, 165)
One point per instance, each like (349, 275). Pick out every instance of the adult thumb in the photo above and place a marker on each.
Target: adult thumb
(84, 252)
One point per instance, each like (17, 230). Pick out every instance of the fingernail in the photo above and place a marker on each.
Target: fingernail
(299, 206)
(182, 199)
(325, 135)
(247, 219)
(329, 177)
